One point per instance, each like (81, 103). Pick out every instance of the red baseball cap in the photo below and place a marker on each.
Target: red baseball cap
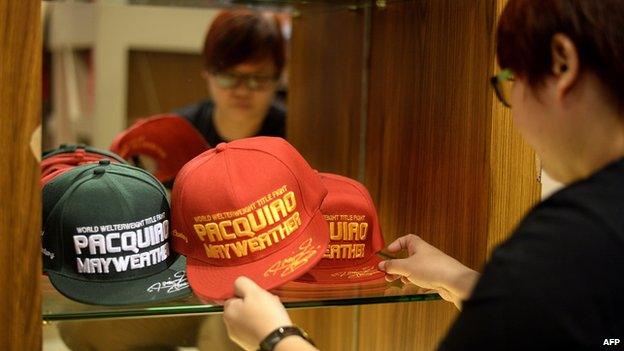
(67, 156)
(355, 235)
(169, 139)
(250, 207)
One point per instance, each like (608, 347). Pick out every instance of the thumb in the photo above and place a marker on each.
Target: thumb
(397, 266)
(244, 286)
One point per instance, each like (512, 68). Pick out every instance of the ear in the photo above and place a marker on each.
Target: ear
(565, 64)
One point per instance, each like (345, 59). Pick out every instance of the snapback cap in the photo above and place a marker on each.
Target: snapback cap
(249, 207)
(105, 238)
(69, 149)
(170, 140)
(354, 232)
(67, 156)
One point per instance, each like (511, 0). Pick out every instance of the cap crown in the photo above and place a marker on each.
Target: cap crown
(243, 201)
(80, 149)
(60, 160)
(105, 221)
(354, 230)
(170, 140)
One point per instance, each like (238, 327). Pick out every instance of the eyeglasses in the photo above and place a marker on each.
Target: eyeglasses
(252, 82)
(502, 84)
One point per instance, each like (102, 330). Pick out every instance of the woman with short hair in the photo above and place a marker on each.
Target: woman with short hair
(244, 55)
(557, 282)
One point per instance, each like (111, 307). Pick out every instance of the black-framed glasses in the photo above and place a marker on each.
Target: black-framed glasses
(502, 84)
(228, 80)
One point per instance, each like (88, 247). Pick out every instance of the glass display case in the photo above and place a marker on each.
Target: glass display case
(392, 93)
(107, 69)
(56, 307)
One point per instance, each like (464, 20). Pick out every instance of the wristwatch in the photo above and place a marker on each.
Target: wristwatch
(268, 344)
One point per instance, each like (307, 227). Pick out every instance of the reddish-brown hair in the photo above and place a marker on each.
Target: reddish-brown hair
(242, 35)
(596, 27)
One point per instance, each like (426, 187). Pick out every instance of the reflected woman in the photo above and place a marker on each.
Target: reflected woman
(244, 56)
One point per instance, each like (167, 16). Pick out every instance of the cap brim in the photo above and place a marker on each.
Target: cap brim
(297, 286)
(216, 283)
(362, 272)
(297, 291)
(169, 284)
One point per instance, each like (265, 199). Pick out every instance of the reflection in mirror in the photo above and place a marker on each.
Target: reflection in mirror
(109, 66)
(105, 69)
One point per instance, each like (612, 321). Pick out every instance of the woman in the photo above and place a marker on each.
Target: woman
(557, 282)
(244, 56)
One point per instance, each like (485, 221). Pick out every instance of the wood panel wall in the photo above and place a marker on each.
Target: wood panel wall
(20, 198)
(324, 121)
(427, 145)
(159, 82)
(428, 123)
(332, 329)
(325, 96)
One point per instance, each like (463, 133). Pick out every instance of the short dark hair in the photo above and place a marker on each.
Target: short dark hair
(242, 35)
(596, 27)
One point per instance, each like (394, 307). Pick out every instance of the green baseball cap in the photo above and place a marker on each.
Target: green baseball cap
(105, 238)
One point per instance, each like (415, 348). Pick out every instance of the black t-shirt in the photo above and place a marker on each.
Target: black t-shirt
(200, 115)
(558, 282)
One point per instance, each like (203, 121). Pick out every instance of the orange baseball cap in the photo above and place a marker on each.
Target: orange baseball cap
(251, 207)
(67, 156)
(354, 232)
(169, 139)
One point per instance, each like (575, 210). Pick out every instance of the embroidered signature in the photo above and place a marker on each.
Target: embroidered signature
(364, 272)
(180, 235)
(290, 264)
(171, 286)
(47, 253)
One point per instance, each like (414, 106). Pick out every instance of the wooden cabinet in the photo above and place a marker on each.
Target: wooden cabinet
(400, 100)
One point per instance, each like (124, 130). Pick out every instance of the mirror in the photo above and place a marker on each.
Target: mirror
(109, 64)
(105, 69)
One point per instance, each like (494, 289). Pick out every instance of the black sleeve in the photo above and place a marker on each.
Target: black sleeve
(191, 112)
(480, 325)
(275, 122)
(200, 116)
(542, 289)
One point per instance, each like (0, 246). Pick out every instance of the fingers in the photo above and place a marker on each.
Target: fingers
(396, 267)
(229, 302)
(244, 286)
(392, 277)
(402, 243)
(230, 309)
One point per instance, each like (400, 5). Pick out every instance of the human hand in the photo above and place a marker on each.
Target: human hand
(253, 314)
(430, 268)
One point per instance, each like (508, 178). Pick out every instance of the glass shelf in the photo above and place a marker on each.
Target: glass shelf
(56, 307)
(286, 5)
(253, 3)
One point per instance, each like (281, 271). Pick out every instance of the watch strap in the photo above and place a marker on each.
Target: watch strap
(277, 335)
